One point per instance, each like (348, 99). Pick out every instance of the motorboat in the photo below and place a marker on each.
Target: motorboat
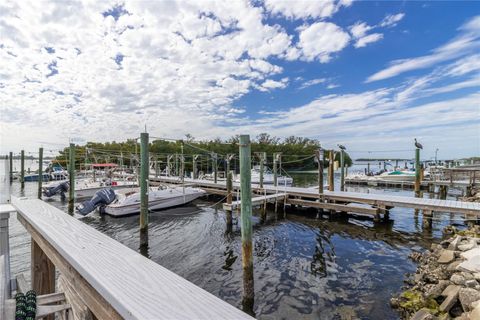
(268, 177)
(397, 175)
(127, 201)
(85, 188)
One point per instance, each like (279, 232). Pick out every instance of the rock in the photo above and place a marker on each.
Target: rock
(457, 279)
(452, 266)
(423, 314)
(451, 293)
(467, 246)
(446, 256)
(454, 243)
(471, 253)
(476, 275)
(467, 296)
(437, 289)
(475, 314)
(471, 283)
(472, 264)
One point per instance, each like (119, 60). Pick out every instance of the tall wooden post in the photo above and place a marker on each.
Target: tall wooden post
(417, 171)
(176, 165)
(246, 216)
(40, 172)
(214, 167)
(320, 155)
(331, 180)
(22, 169)
(144, 189)
(71, 176)
(229, 199)
(368, 168)
(275, 178)
(194, 166)
(182, 164)
(263, 157)
(342, 170)
(10, 158)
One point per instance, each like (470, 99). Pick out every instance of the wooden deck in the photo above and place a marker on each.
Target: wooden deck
(404, 184)
(256, 201)
(381, 201)
(113, 281)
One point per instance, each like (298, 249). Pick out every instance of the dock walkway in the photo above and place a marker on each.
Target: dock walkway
(310, 196)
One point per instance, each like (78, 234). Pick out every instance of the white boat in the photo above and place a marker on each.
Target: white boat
(127, 201)
(86, 188)
(397, 176)
(268, 177)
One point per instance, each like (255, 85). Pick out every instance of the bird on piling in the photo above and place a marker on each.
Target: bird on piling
(341, 147)
(418, 145)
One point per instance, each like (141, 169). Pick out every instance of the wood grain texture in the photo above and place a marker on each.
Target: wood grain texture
(43, 271)
(3, 288)
(134, 286)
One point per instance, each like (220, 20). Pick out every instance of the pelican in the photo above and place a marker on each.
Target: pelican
(418, 145)
(341, 147)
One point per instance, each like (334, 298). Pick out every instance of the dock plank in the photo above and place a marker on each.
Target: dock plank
(134, 286)
(365, 198)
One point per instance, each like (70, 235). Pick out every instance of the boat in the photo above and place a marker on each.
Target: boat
(31, 177)
(396, 175)
(85, 188)
(268, 177)
(127, 201)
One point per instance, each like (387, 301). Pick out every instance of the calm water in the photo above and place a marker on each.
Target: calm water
(306, 266)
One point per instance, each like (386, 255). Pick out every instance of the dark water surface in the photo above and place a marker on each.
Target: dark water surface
(305, 266)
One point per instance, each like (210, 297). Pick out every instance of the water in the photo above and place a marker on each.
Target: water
(305, 267)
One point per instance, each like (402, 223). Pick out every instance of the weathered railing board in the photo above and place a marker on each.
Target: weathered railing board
(135, 287)
(3, 288)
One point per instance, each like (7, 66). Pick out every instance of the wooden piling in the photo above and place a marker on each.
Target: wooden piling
(71, 176)
(368, 168)
(275, 178)
(22, 169)
(144, 189)
(214, 167)
(263, 157)
(229, 198)
(342, 170)
(417, 172)
(40, 172)
(194, 166)
(246, 215)
(331, 180)
(10, 174)
(320, 157)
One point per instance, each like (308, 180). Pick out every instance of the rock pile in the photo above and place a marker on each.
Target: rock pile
(447, 282)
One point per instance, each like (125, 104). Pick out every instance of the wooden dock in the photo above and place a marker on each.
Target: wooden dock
(336, 200)
(103, 278)
(425, 184)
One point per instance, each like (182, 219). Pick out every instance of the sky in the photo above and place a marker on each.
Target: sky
(371, 75)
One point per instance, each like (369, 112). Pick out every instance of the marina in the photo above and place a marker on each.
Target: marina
(246, 159)
(168, 192)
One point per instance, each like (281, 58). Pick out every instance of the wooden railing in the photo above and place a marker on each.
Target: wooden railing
(111, 280)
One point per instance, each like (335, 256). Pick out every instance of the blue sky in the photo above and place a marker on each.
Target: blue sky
(371, 75)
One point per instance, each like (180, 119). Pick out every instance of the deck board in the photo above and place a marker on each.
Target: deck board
(368, 198)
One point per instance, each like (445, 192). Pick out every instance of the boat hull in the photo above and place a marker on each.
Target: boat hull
(119, 210)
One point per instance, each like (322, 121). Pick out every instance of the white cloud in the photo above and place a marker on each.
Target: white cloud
(465, 43)
(362, 42)
(312, 82)
(359, 29)
(303, 9)
(392, 20)
(272, 84)
(319, 41)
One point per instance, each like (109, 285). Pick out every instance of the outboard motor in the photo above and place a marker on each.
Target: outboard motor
(58, 188)
(101, 198)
